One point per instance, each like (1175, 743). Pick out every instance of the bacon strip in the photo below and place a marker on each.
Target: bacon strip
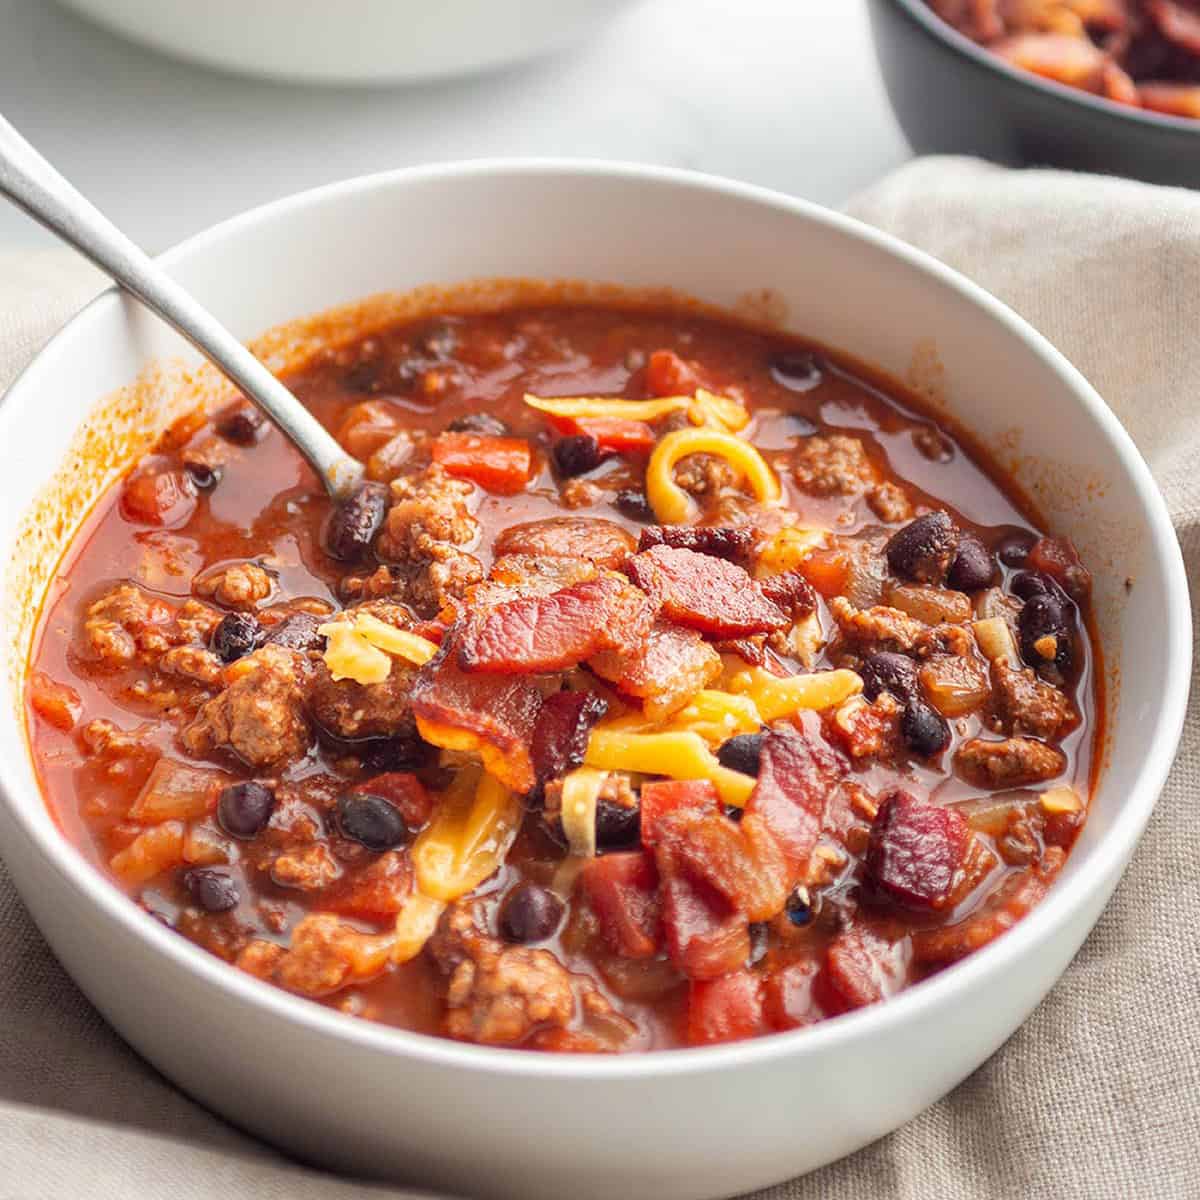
(711, 595)
(560, 737)
(492, 715)
(733, 542)
(534, 634)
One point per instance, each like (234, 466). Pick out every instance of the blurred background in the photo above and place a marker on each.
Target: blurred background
(783, 93)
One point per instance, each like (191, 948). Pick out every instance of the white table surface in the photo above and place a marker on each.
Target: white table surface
(783, 93)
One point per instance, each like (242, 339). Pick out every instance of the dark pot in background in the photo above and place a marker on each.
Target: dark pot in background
(954, 97)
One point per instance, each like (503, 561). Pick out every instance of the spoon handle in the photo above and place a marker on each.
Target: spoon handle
(31, 183)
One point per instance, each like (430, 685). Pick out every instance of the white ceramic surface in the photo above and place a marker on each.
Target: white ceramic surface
(684, 1124)
(352, 41)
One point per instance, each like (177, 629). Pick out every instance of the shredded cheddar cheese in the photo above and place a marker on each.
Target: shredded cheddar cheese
(704, 408)
(360, 648)
(415, 925)
(778, 696)
(671, 504)
(580, 793)
(788, 549)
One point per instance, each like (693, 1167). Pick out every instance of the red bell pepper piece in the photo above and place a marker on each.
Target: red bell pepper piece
(498, 464)
(623, 892)
(669, 375)
(614, 435)
(726, 1009)
(660, 797)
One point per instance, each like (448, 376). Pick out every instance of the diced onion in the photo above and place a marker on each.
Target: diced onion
(671, 504)
(778, 696)
(1061, 799)
(995, 639)
(580, 793)
(788, 549)
(678, 755)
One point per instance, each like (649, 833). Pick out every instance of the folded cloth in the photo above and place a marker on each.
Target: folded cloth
(1097, 1095)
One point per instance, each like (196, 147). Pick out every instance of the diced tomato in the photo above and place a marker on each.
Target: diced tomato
(405, 791)
(862, 968)
(158, 497)
(705, 936)
(58, 703)
(498, 464)
(623, 892)
(669, 375)
(431, 631)
(827, 569)
(376, 893)
(726, 1009)
(660, 797)
(788, 995)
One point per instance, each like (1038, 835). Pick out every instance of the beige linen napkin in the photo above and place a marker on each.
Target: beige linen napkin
(1097, 1095)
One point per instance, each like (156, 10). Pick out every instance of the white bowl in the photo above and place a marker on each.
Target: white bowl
(352, 41)
(690, 1123)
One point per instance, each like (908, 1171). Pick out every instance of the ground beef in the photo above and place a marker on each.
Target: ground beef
(580, 493)
(427, 509)
(260, 715)
(868, 630)
(381, 582)
(836, 465)
(308, 869)
(442, 579)
(127, 624)
(704, 475)
(889, 503)
(352, 711)
(321, 958)
(1013, 762)
(240, 585)
(1023, 703)
(192, 662)
(103, 738)
(501, 995)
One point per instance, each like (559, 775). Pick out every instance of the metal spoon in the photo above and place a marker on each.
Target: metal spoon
(31, 183)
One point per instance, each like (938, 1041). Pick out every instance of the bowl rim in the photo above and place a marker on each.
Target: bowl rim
(935, 27)
(1063, 903)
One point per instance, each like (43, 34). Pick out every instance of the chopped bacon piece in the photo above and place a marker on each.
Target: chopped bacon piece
(726, 1009)
(660, 797)
(916, 850)
(534, 634)
(560, 737)
(623, 892)
(791, 592)
(664, 671)
(493, 715)
(669, 375)
(789, 997)
(497, 464)
(1007, 905)
(733, 542)
(599, 541)
(705, 935)
(863, 968)
(795, 778)
(709, 594)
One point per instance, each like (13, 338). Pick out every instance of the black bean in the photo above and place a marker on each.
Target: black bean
(634, 505)
(1046, 615)
(203, 477)
(297, 632)
(1027, 584)
(889, 672)
(924, 729)
(529, 913)
(241, 424)
(213, 891)
(372, 821)
(924, 549)
(353, 523)
(796, 370)
(760, 937)
(236, 634)
(617, 824)
(1013, 548)
(799, 907)
(742, 753)
(973, 567)
(404, 753)
(478, 422)
(245, 808)
(734, 813)
(576, 454)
